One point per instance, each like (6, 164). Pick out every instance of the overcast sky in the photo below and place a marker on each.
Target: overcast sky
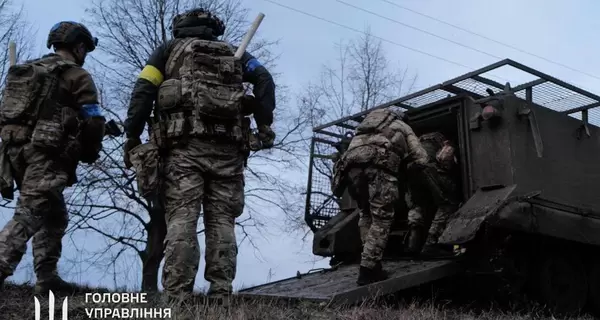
(563, 32)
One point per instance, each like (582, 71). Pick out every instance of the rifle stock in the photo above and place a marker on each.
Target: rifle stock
(111, 129)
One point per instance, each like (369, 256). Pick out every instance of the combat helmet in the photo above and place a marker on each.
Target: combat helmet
(198, 17)
(70, 33)
(398, 112)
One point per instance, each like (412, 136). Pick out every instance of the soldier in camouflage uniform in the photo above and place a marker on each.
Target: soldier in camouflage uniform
(373, 169)
(422, 205)
(199, 131)
(50, 121)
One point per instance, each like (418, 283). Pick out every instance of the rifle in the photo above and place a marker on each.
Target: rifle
(111, 129)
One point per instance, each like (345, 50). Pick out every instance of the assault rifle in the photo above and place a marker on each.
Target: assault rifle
(111, 129)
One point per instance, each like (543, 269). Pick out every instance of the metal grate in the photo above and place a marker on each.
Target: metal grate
(547, 91)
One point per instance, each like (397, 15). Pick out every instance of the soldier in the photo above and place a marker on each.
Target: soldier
(198, 88)
(50, 121)
(443, 159)
(373, 168)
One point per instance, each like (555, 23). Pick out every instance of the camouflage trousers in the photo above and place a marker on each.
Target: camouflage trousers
(376, 192)
(201, 175)
(40, 213)
(424, 214)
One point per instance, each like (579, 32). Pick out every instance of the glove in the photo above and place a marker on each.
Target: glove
(91, 139)
(129, 144)
(266, 136)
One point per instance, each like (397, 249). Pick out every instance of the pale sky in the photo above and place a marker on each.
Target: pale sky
(559, 31)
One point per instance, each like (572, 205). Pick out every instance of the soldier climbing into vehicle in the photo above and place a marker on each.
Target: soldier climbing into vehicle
(427, 213)
(373, 169)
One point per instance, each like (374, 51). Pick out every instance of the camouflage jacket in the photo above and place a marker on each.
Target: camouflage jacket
(384, 141)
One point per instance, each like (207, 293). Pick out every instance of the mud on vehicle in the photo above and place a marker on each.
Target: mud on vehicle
(529, 173)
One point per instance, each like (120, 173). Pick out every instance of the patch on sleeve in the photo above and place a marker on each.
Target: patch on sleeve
(252, 64)
(152, 74)
(91, 110)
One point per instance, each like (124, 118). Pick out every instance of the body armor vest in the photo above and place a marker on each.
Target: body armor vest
(203, 91)
(379, 140)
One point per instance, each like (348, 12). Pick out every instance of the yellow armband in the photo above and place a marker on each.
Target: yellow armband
(152, 74)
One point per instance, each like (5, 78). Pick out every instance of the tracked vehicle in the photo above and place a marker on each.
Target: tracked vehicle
(529, 157)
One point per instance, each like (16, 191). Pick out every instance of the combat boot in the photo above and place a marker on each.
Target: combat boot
(182, 305)
(437, 251)
(57, 285)
(368, 276)
(220, 300)
(415, 240)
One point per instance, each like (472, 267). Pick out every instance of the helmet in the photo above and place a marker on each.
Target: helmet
(398, 112)
(70, 33)
(197, 18)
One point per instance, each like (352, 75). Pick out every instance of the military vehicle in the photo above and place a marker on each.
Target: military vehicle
(529, 158)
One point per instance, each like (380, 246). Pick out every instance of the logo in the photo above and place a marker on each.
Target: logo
(65, 306)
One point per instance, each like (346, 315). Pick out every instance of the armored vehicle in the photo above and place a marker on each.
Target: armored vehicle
(529, 158)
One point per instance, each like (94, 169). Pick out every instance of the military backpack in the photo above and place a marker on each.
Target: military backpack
(30, 103)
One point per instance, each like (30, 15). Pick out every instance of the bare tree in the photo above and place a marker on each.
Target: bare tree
(13, 27)
(105, 200)
(361, 78)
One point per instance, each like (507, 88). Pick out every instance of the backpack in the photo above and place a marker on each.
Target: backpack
(432, 143)
(27, 89)
(375, 122)
(211, 79)
(29, 110)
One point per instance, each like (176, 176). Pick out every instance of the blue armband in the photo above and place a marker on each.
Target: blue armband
(90, 110)
(252, 64)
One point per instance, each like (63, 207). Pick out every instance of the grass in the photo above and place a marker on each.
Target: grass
(16, 302)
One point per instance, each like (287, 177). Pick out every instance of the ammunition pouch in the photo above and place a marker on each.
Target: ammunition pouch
(176, 127)
(247, 136)
(14, 134)
(146, 161)
(169, 95)
(388, 161)
(54, 126)
(156, 133)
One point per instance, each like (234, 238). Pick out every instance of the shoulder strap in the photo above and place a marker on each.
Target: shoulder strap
(58, 66)
(175, 54)
(231, 47)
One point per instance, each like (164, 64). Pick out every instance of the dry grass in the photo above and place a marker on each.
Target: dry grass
(16, 302)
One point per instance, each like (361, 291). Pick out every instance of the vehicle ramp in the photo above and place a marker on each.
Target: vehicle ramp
(338, 285)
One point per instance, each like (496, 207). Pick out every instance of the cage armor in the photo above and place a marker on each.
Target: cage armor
(203, 93)
(31, 109)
